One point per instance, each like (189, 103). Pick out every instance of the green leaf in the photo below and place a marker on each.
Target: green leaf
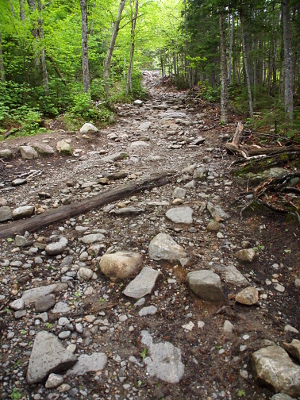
(10, 240)
(144, 353)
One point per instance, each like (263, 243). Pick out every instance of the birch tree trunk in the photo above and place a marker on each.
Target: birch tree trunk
(247, 71)
(111, 46)
(22, 11)
(133, 26)
(288, 73)
(43, 52)
(85, 51)
(224, 85)
(231, 26)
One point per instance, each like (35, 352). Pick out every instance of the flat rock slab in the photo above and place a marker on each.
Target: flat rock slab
(163, 247)
(48, 355)
(180, 215)
(143, 283)
(43, 148)
(173, 114)
(248, 296)
(128, 211)
(164, 361)
(120, 265)
(273, 367)
(206, 285)
(93, 363)
(216, 212)
(145, 126)
(32, 295)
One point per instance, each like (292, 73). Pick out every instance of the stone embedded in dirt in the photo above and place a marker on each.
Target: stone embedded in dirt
(293, 348)
(28, 152)
(5, 214)
(248, 296)
(128, 211)
(297, 283)
(142, 284)
(200, 174)
(120, 265)
(55, 248)
(23, 212)
(206, 285)
(92, 238)
(61, 308)
(93, 363)
(163, 247)
(32, 295)
(43, 148)
(85, 273)
(279, 288)
(213, 226)
(116, 157)
(62, 146)
(19, 182)
(5, 153)
(273, 367)
(245, 255)
(53, 381)
(173, 114)
(216, 212)
(3, 202)
(44, 303)
(21, 241)
(198, 140)
(149, 310)
(138, 144)
(228, 328)
(289, 328)
(88, 128)
(180, 215)
(48, 356)
(281, 396)
(232, 275)
(138, 103)
(17, 305)
(164, 360)
(144, 126)
(179, 193)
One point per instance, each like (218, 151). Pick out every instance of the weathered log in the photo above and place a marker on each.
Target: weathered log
(52, 216)
(272, 150)
(238, 134)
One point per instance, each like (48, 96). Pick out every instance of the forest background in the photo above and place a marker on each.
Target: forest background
(75, 59)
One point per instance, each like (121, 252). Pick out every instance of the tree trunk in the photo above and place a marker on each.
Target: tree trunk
(133, 26)
(85, 52)
(247, 71)
(12, 9)
(230, 46)
(22, 11)
(43, 56)
(111, 46)
(224, 85)
(2, 68)
(288, 74)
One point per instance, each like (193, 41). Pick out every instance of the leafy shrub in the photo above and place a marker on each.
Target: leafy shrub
(209, 93)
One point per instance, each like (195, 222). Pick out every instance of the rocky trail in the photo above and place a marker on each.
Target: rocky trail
(163, 293)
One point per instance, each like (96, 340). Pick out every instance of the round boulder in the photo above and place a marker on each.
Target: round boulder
(120, 265)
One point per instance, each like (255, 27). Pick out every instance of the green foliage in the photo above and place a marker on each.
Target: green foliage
(208, 92)
(15, 394)
(144, 353)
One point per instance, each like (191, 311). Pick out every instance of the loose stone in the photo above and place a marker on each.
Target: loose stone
(248, 296)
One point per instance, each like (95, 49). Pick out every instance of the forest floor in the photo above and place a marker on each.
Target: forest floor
(156, 137)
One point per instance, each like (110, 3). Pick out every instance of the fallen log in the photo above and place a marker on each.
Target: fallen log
(52, 216)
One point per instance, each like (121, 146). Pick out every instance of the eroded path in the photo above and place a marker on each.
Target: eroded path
(208, 345)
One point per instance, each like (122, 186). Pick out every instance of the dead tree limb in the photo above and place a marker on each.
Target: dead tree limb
(52, 216)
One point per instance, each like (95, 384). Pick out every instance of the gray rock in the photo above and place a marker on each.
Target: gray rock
(248, 296)
(21, 241)
(127, 211)
(179, 193)
(143, 284)
(293, 348)
(43, 148)
(206, 285)
(228, 328)
(55, 248)
(92, 238)
(144, 126)
(163, 247)
(273, 367)
(198, 140)
(216, 212)
(254, 179)
(61, 308)
(88, 128)
(213, 226)
(23, 212)
(139, 144)
(20, 314)
(17, 305)
(32, 295)
(93, 363)
(245, 255)
(173, 114)
(200, 174)
(64, 147)
(281, 396)
(5, 214)
(164, 361)
(150, 310)
(181, 215)
(232, 275)
(28, 153)
(19, 182)
(115, 157)
(53, 381)
(45, 303)
(289, 328)
(138, 103)
(85, 273)
(5, 153)
(48, 356)
(120, 265)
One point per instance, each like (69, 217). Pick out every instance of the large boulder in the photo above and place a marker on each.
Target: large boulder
(120, 265)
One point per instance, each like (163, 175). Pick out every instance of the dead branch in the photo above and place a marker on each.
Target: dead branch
(52, 216)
